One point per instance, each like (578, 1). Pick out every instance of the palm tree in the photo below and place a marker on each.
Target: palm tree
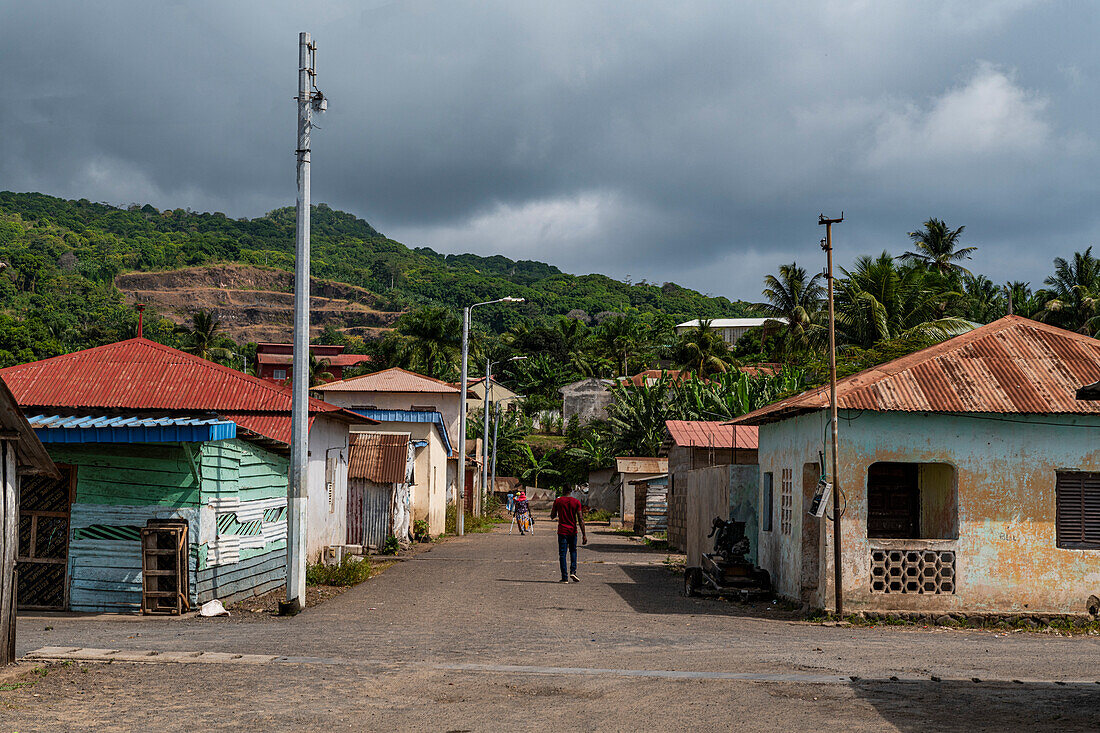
(1024, 302)
(703, 350)
(595, 451)
(982, 300)
(200, 338)
(622, 336)
(1072, 295)
(877, 301)
(936, 246)
(319, 370)
(432, 339)
(798, 299)
(541, 466)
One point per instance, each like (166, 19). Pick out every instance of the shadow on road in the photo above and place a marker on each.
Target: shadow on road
(969, 706)
(525, 580)
(657, 590)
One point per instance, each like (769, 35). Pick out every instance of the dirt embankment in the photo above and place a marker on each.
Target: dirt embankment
(254, 303)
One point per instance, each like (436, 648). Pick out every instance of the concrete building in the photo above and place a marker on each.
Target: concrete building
(695, 445)
(586, 400)
(628, 470)
(970, 474)
(428, 410)
(144, 432)
(500, 395)
(732, 329)
(274, 361)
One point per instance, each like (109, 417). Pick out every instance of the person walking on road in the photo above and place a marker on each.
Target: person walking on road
(521, 510)
(567, 510)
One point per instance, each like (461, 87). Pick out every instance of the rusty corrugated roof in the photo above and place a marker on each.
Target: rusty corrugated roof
(394, 379)
(139, 374)
(1013, 365)
(645, 464)
(379, 457)
(700, 434)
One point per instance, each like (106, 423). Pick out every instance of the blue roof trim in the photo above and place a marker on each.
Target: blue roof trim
(130, 429)
(410, 416)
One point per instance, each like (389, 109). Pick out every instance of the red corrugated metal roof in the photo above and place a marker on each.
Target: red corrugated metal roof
(139, 374)
(1013, 365)
(379, 457)
(699, 434)
(394, 379)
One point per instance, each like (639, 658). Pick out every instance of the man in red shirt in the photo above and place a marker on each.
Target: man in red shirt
(567, 510)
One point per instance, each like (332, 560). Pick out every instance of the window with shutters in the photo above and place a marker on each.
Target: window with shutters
(1077, 503)
(767, 506)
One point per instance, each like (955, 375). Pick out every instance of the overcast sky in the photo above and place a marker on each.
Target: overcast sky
(687, 141)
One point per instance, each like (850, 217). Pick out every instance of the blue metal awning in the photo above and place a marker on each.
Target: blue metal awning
(130, 429)
(410, 416)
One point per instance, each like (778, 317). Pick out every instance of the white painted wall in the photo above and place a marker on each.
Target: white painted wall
(326, 521)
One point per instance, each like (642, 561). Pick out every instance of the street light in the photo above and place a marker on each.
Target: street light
(460, 509)
(485, 431)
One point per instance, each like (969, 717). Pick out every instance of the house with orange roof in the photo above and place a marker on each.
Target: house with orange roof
(969, 479)
(143, 433)
(427, 410)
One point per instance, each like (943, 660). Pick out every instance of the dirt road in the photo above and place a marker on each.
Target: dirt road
(477, 634)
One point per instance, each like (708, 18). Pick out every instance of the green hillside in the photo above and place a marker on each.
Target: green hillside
(58, 293)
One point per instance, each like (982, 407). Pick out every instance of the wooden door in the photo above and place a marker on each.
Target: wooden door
(43, 560)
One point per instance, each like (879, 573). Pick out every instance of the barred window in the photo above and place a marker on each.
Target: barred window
(1077, 510)
(786, 501)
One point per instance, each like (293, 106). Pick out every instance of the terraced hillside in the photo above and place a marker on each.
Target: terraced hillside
(255, 303)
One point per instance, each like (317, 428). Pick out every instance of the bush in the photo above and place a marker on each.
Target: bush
(349, 572)
(599, 515)
(420, 531)
(390, 546)
(472, 523)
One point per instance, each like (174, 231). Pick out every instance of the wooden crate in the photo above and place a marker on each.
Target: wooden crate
(164, 568)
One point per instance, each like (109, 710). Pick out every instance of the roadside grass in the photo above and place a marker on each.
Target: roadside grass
(624, 532)
(473, 523)
(1059, 626)
(350, 571)
(599, 515)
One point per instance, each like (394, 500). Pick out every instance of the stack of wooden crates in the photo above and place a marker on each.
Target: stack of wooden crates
(164, 567)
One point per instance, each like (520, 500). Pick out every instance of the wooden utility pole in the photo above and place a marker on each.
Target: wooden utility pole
(827, 245)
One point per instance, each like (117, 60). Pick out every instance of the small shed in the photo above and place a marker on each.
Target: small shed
(22, 458)
(379, 474)
(651, 504)
(628, 469)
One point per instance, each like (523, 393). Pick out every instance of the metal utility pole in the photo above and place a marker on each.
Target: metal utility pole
(460, 508)
(485, 433)
(496, 430)
(827, 245)
(309, 99)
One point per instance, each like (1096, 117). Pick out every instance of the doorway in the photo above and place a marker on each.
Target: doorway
(43, 559)
(811, 535)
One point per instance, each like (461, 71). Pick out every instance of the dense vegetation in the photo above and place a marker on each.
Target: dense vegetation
(58, 294)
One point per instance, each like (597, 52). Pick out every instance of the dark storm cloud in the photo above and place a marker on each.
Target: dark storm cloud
(693, 142)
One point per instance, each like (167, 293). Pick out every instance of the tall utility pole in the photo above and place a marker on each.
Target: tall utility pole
(496, 429)
(827, 245)
(309, 99)
(460, 508)
(485, 432)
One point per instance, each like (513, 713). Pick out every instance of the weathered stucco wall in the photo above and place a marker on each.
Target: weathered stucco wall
(1006, 556)
(729, 492)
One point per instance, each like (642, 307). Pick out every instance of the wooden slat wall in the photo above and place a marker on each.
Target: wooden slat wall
(125, 486)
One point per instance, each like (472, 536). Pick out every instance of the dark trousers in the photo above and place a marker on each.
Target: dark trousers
(567, 542)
